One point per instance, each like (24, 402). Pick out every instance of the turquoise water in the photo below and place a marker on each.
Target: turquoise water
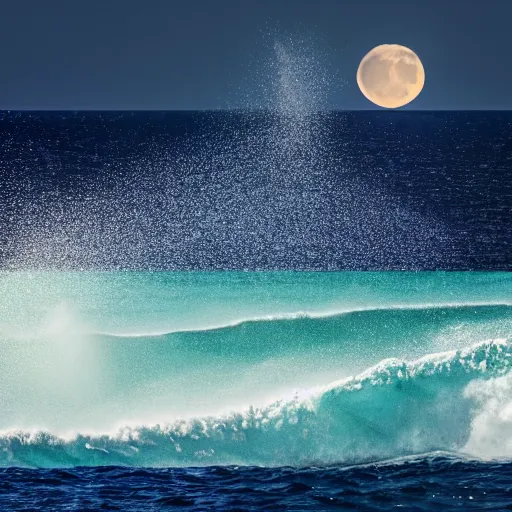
(268, 368)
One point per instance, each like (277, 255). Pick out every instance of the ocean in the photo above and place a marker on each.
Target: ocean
(255, 310)
(252, 190)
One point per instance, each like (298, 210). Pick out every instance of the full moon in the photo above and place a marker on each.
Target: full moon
(391, 75)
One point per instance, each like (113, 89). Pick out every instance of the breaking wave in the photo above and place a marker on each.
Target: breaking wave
(456, 401)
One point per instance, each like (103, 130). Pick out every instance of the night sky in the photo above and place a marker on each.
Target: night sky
(201, 54)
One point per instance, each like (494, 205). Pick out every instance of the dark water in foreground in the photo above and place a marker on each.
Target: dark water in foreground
(435, 482)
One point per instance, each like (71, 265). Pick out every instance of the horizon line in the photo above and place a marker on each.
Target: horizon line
(184, 110)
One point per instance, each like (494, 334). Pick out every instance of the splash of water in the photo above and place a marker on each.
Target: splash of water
(249, 190)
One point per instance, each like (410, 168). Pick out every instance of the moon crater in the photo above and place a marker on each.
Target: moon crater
(391, 75)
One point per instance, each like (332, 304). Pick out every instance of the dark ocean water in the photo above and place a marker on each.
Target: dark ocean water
(436, 482)
(252, 190)
(270, 390)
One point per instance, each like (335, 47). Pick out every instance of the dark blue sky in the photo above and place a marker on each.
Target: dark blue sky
(199, 54)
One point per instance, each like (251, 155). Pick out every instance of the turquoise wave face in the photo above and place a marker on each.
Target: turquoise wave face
(394, 409)
(245, 368)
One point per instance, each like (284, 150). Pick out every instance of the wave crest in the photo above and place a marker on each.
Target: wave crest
(393, 409)
(311, 315)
